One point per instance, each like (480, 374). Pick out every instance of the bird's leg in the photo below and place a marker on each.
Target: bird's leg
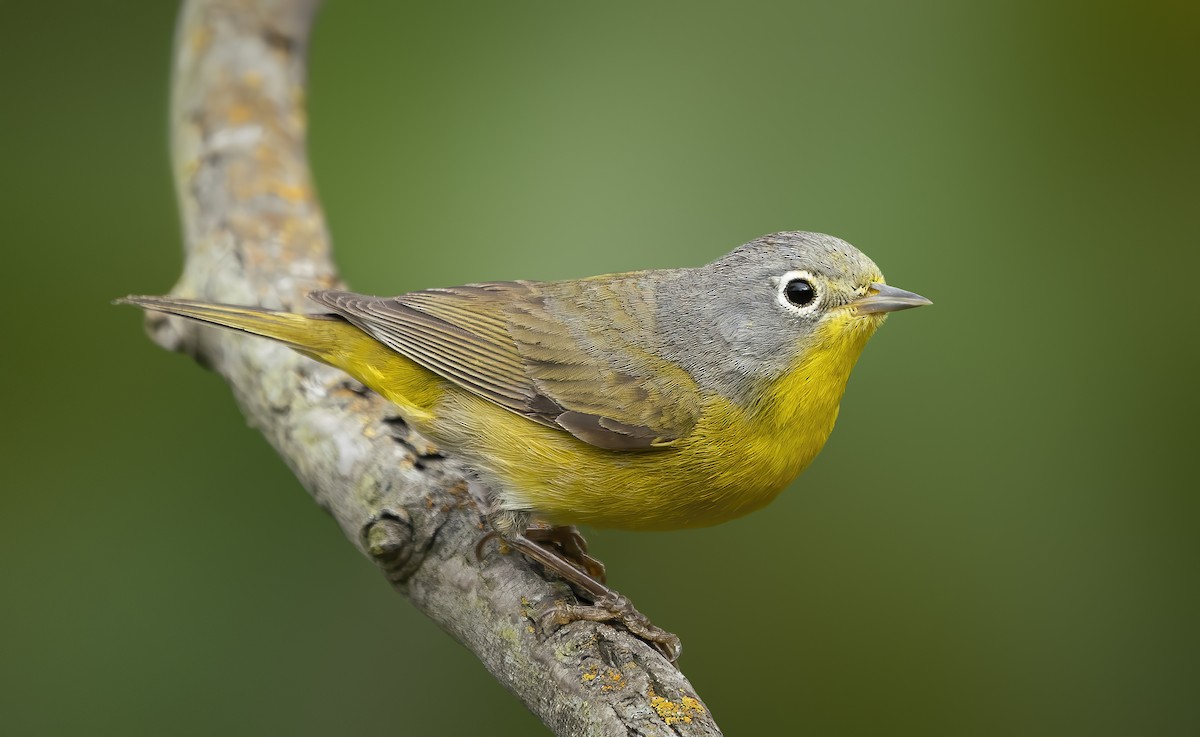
(566, 554)
(607, 605)
(570, 544)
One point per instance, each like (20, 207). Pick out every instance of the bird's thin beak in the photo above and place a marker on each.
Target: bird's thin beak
(882, 298)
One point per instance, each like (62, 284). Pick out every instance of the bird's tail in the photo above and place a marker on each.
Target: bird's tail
(327, 338)
(313, 335)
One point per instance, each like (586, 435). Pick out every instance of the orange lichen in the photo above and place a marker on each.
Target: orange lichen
(618, 681)
(291, 192)
(673, 713)
(610, 680)
(201, 38)
(238, 114)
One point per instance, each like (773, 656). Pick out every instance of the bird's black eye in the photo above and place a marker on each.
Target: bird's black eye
(800, 292)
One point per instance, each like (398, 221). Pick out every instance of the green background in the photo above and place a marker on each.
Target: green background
(999, 539)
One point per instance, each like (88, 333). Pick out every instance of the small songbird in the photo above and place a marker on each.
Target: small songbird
(644, 400)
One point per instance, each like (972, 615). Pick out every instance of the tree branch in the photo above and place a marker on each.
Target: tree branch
(255, 234)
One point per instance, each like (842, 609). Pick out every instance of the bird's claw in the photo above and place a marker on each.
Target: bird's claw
(612, 607)
(551, 546)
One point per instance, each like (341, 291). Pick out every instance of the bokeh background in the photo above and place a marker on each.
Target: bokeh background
(999, 539)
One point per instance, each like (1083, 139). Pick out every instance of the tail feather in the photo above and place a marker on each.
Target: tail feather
(327, 338)
(314, 335)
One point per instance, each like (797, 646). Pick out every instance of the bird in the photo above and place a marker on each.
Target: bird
(645, 400)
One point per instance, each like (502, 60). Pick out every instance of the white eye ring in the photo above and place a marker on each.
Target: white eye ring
(781, 293)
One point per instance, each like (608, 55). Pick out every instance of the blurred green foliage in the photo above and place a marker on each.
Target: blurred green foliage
(1000, 539)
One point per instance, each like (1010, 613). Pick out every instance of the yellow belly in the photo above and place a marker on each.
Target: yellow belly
(725, 468)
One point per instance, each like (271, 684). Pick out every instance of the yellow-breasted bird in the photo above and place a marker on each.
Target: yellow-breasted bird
(644, 400)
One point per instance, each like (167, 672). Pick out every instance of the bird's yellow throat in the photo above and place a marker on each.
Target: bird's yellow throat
(807, 396)
(787, 427)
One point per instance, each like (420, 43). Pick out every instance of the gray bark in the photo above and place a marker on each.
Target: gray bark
(254, 234)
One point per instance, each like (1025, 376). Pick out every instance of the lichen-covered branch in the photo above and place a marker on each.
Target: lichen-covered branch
(254, 234)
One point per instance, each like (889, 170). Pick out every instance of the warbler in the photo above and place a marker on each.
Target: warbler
(658, 399)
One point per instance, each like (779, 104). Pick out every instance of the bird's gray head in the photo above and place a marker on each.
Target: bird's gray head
(754, 313)
(808, 274)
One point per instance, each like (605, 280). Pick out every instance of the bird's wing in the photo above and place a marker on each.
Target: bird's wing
(570, 355)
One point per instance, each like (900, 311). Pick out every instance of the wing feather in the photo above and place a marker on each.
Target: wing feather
(540, 350)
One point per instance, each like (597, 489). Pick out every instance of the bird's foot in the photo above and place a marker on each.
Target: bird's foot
(612, 607)
(607, 605)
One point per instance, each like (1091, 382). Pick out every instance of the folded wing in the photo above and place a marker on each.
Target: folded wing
(577, 356)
